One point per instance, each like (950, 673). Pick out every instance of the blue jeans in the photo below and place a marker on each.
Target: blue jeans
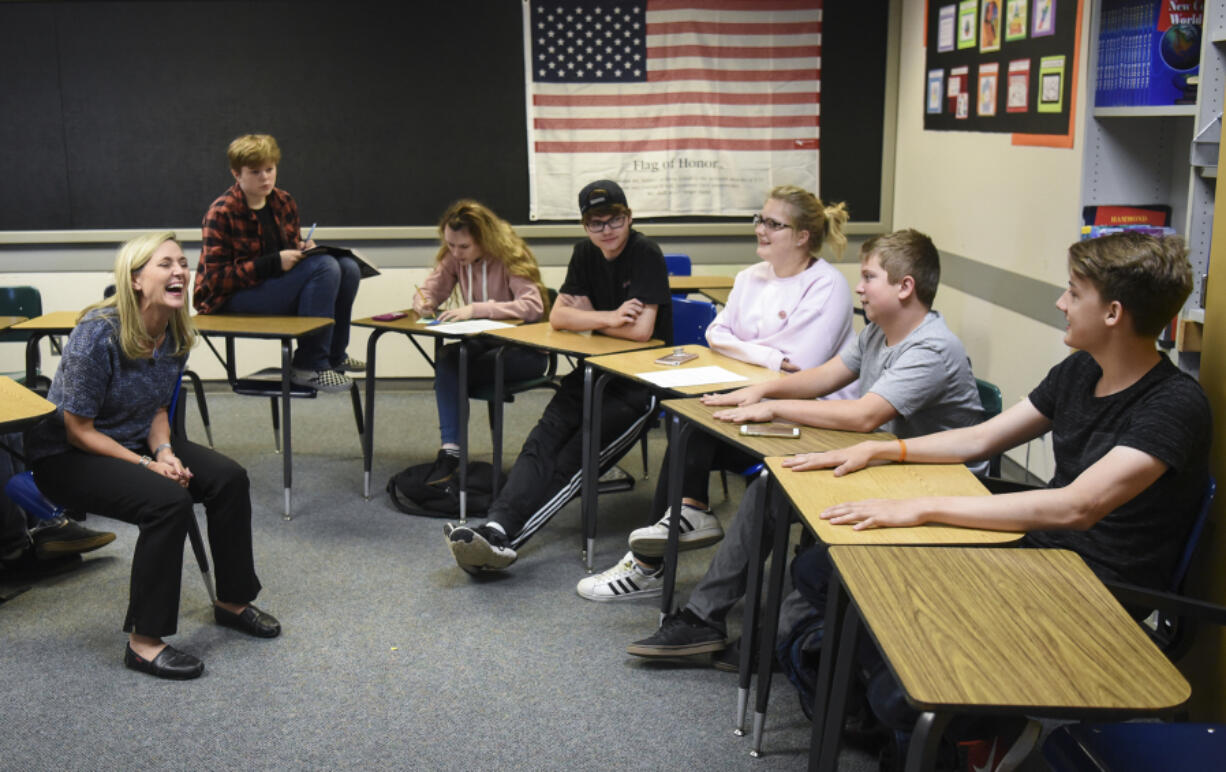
(319, 285)
(518, 364)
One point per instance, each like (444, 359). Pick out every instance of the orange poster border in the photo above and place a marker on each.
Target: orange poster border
(1062, 141)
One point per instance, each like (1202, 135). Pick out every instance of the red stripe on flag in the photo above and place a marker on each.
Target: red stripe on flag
(733, 5)
(737, 52)
(733, 28)
(680, 97)
(643, 145)
(661, 121)
(750, 76)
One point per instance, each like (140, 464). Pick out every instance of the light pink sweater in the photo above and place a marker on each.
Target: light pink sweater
(509, 297)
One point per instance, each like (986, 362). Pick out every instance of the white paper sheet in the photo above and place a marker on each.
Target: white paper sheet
(690, 376)
(470, 326)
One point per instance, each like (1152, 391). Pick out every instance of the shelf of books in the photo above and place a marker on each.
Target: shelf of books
(1152, 135)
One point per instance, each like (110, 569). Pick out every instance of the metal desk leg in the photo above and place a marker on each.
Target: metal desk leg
(836, 609)
(288, 455)
(925, 740)
(836, 705)
(586, 490)
(368, 437)
(496, 408)
(774, 598)
(678, 443)
(753, 593)
(593, 407)
(462, 419)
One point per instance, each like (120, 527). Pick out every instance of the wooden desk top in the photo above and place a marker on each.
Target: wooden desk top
(9, 321)
(696, 283)
(258, 325)
(814, 491)
(411, 322)
(719, 295)
(1029, 630)
(810, 440)
(54, 322)
(20, 407)
(631, 363)
(542, 335)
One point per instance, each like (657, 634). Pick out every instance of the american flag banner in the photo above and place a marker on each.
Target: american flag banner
(695, 108)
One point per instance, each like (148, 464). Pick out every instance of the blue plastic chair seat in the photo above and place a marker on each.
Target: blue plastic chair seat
(1137, 747)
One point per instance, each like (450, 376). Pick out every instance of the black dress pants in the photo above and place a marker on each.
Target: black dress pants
(160, 508)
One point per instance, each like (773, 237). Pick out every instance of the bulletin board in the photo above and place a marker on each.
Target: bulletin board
(1001, 66)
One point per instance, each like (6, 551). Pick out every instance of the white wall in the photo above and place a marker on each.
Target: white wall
(977, 195)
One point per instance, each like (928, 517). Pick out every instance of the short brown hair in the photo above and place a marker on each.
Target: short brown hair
(1150, 277)
(907, 253)
(253, 150)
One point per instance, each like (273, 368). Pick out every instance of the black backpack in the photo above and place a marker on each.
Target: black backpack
(412, 495)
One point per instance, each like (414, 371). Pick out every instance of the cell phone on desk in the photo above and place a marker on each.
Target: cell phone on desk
(391, 316)
(678, 357)
(771, 430)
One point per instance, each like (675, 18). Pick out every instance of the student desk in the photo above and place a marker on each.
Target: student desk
(54, 323)
(717, 295)
(9, 321)
(544, 337)
(20, 407)
(699, 283)
(1014, 631)
(411, 325)
(689, 415)
(281, 328)
(631, 365)
(812, 492)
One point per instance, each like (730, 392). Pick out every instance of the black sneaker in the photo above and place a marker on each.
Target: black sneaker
(445, 465)
(479, 549)
(64, 537)
(680, 634)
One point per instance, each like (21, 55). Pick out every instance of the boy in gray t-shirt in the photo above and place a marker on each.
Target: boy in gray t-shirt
(914, 376)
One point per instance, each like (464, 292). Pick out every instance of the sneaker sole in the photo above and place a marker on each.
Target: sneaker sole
(654, 592)
(647, 650)
(478, 555)
(653, 547)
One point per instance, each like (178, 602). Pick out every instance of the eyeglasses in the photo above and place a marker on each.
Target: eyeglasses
(771, 225)
(598, 226)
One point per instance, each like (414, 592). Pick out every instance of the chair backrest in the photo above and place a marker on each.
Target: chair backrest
(677, 264)
(690, 320)
(19, 301)
(989, 396)
(1189, 546)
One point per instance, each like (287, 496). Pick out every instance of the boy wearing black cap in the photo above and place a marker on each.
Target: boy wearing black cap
(616, 284)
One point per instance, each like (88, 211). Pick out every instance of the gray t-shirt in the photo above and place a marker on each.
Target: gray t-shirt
(926, 377)
(95, 380)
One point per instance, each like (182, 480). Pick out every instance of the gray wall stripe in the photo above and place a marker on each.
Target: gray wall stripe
(1029, 297)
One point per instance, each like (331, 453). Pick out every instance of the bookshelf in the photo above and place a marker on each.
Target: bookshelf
(1164, 155)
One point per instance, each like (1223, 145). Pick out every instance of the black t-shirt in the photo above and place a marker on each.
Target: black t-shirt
(270, 232)
(1164, 414)
(638, 272)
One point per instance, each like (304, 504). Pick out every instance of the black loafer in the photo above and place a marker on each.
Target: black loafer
(252, 621)
(169, 663)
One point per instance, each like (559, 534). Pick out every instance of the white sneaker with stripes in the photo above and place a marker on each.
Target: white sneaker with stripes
(698, 529)
(622, 582)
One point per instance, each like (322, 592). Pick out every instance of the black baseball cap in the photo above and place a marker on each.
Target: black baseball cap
(601, 193)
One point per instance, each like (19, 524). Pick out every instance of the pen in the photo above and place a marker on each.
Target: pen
(310, 233)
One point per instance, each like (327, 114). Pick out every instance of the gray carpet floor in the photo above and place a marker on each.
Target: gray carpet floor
(391, 657)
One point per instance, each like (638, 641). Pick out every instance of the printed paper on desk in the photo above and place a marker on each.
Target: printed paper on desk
(470, 326)
(690, 376)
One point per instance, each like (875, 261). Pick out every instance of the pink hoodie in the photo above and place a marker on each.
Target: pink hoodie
(498, 294)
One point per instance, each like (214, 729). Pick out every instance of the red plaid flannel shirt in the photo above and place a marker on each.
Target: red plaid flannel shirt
(231, 235)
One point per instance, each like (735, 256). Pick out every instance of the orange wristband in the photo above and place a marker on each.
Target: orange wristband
(902, 451)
